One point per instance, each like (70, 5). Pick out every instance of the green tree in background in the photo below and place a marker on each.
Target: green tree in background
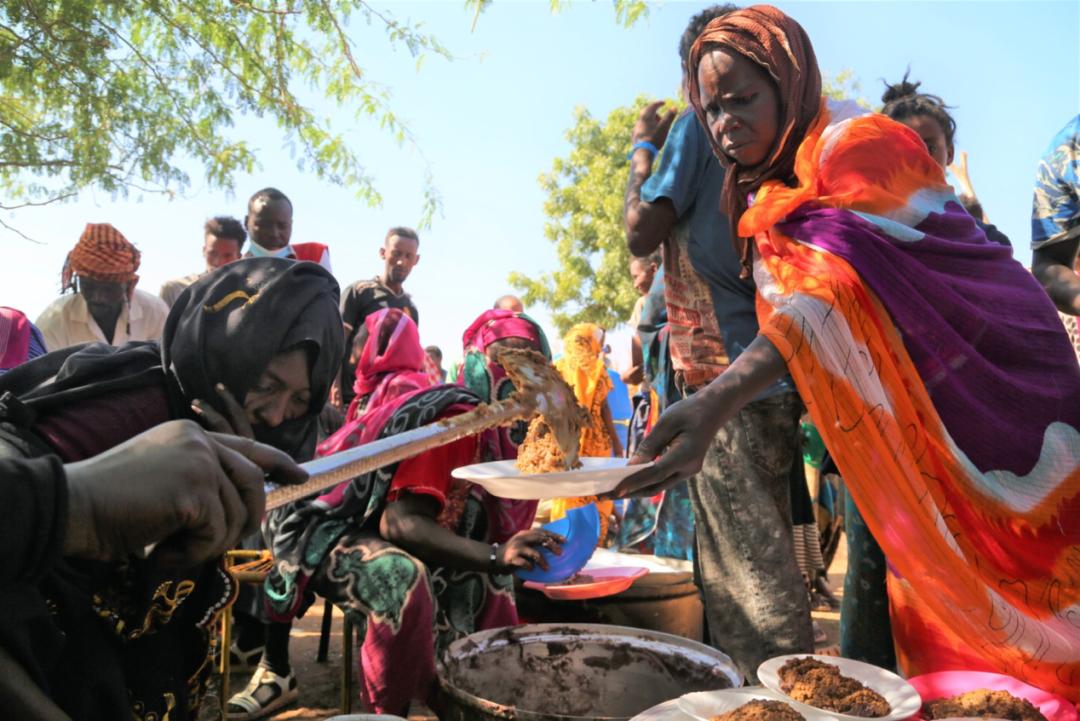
(584, 207)
(143, 94)
(137, 94)
(585, 194)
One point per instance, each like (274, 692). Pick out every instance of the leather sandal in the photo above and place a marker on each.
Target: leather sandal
(241, 661)
(265, 693)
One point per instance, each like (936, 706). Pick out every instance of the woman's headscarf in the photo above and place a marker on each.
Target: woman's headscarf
(225, 328)
(20, 340)
(488, 380)
(778, 44)
(392, 361)
(581, 365)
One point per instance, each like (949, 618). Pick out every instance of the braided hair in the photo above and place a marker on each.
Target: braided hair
(903, 100)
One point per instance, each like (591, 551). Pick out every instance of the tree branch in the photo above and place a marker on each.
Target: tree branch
(31, 204)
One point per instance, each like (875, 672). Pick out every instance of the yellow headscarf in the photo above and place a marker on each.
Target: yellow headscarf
(582, 367)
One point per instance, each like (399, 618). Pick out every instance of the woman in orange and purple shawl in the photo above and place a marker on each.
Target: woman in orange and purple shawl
(933, 364)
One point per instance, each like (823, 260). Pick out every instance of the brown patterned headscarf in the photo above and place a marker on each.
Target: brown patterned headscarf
(102, 253)
(779, 45)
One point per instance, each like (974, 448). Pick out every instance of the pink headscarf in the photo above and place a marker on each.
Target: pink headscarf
(497, 324)
(392, 362)
(19, 339)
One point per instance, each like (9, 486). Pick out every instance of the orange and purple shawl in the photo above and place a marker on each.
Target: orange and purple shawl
(945, 388)
(934, 366)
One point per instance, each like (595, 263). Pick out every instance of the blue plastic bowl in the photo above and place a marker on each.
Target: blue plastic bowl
(581, 529)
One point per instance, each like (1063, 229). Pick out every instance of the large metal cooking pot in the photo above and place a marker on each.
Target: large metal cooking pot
(573, 672)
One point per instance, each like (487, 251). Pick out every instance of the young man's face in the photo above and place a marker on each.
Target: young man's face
(269, 223)
(401, 255)
(642, 272)
(219, 251)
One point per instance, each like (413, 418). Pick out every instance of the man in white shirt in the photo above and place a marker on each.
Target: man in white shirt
(105, 307)
(223, 238)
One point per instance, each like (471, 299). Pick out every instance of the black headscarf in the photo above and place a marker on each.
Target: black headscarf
(225, 328)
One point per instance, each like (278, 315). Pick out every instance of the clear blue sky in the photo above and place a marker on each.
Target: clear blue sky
(492, 120)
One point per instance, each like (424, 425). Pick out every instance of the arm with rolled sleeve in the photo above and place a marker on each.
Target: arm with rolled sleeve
(650, 216)
(666, 195)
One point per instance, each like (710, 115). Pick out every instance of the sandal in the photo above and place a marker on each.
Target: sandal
(241, 661)
(265, 693)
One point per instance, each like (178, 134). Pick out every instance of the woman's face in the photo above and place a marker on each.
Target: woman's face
(742, 106)
(283, 392)
(933, 135)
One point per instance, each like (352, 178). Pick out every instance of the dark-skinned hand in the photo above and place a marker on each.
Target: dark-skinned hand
(651, 127)
(522, 551)
(195, 494)
(234, 422)
(678, 442)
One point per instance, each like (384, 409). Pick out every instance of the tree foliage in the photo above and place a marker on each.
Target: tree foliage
(125, 95)
(585, 195)
(584, 206)
(627, 12)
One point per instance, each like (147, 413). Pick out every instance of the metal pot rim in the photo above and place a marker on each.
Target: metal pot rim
(718, 660)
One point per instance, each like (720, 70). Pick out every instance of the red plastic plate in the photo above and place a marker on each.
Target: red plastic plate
(599, 582)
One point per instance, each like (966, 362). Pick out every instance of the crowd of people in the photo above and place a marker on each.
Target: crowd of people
(802, 267)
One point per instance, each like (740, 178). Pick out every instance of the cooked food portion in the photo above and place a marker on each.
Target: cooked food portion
(535, 378)
(576, 580)
(983, 703)
(540, 452)
(761, 710)
(821, 685)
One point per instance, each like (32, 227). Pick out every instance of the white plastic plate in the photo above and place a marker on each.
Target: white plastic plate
(704, 705)
(502, 478)
(902, 696)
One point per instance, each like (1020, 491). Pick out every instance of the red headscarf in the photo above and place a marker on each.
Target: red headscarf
(497, 324)
(392, 361)
(778, 44)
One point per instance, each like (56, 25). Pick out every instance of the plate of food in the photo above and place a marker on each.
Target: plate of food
(504, 479)
(977, 693)
(754, 703)
(839, 687)
(590, 583)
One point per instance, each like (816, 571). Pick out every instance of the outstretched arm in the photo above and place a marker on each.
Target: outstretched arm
(685, 431)
(410, 522)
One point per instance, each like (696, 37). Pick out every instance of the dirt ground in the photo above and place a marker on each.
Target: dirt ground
(320, 683)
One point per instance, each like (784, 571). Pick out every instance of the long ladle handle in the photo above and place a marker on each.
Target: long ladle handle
(328, 471)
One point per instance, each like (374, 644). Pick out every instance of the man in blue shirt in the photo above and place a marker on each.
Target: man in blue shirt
(755, 602)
